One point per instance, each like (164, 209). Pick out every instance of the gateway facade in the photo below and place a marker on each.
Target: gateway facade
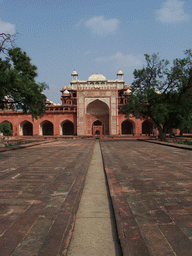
(89, 108)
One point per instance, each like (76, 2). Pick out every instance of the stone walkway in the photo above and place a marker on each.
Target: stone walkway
(95, 231)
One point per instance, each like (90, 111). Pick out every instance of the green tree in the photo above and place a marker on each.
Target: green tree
(18, 88)
(5, 128)
(163, 93)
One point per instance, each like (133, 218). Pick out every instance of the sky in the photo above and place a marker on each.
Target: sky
(95, 36)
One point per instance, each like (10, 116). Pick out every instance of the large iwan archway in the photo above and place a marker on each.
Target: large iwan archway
(97, 111)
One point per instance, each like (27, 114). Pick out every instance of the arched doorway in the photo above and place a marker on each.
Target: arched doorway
(98, 110)
(97, 134)
(127, 127)
(97, 129)
(147, 127)
(26, 128)
(96, 123)
(47, 128)
(67, 128)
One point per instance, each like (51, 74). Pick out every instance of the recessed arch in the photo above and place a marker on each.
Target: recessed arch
(127, 127)
(147, 127)
(97, 107)
(26, 128)
(67, 127)
(46, 128)
(97, 122)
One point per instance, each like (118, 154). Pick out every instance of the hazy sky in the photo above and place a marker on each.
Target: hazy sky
(95, 36)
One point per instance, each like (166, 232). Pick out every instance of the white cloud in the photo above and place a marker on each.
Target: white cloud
(122, 61)
(6, 27)
(172, 11)
(100, 26)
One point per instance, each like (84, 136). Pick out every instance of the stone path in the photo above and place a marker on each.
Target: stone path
(95, 231)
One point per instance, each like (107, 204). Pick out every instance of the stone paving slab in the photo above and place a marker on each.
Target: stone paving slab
(31, 144)
(40, 190)
(151, 191)
(169, 144)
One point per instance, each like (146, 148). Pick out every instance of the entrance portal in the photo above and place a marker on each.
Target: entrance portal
(97, 110)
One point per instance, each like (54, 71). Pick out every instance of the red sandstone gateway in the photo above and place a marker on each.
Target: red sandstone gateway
(89, 108)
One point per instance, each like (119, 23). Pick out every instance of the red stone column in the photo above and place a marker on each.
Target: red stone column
(36, 124)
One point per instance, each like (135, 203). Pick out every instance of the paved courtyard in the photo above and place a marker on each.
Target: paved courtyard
(151, 189)
(150, 186)
(40, 189)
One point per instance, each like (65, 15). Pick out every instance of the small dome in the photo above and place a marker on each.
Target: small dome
(66, 92)
(120, 73)
(97, 77)
(64, 87)
(74, 73)
(127, 92)
(69, 87)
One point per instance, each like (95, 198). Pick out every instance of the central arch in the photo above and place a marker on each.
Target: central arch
(97, 107)
(97, 113)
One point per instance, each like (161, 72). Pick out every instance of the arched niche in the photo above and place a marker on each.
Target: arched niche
(97, 107)
(127, 127)
(147, 127)
(46, 128)
(97, 123)
(67, 127)
(26, 128)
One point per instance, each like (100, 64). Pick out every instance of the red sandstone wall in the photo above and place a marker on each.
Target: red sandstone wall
(17, 119)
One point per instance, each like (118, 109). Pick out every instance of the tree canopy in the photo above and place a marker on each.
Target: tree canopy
(6, 129)
(163, 93)
(18, 88)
